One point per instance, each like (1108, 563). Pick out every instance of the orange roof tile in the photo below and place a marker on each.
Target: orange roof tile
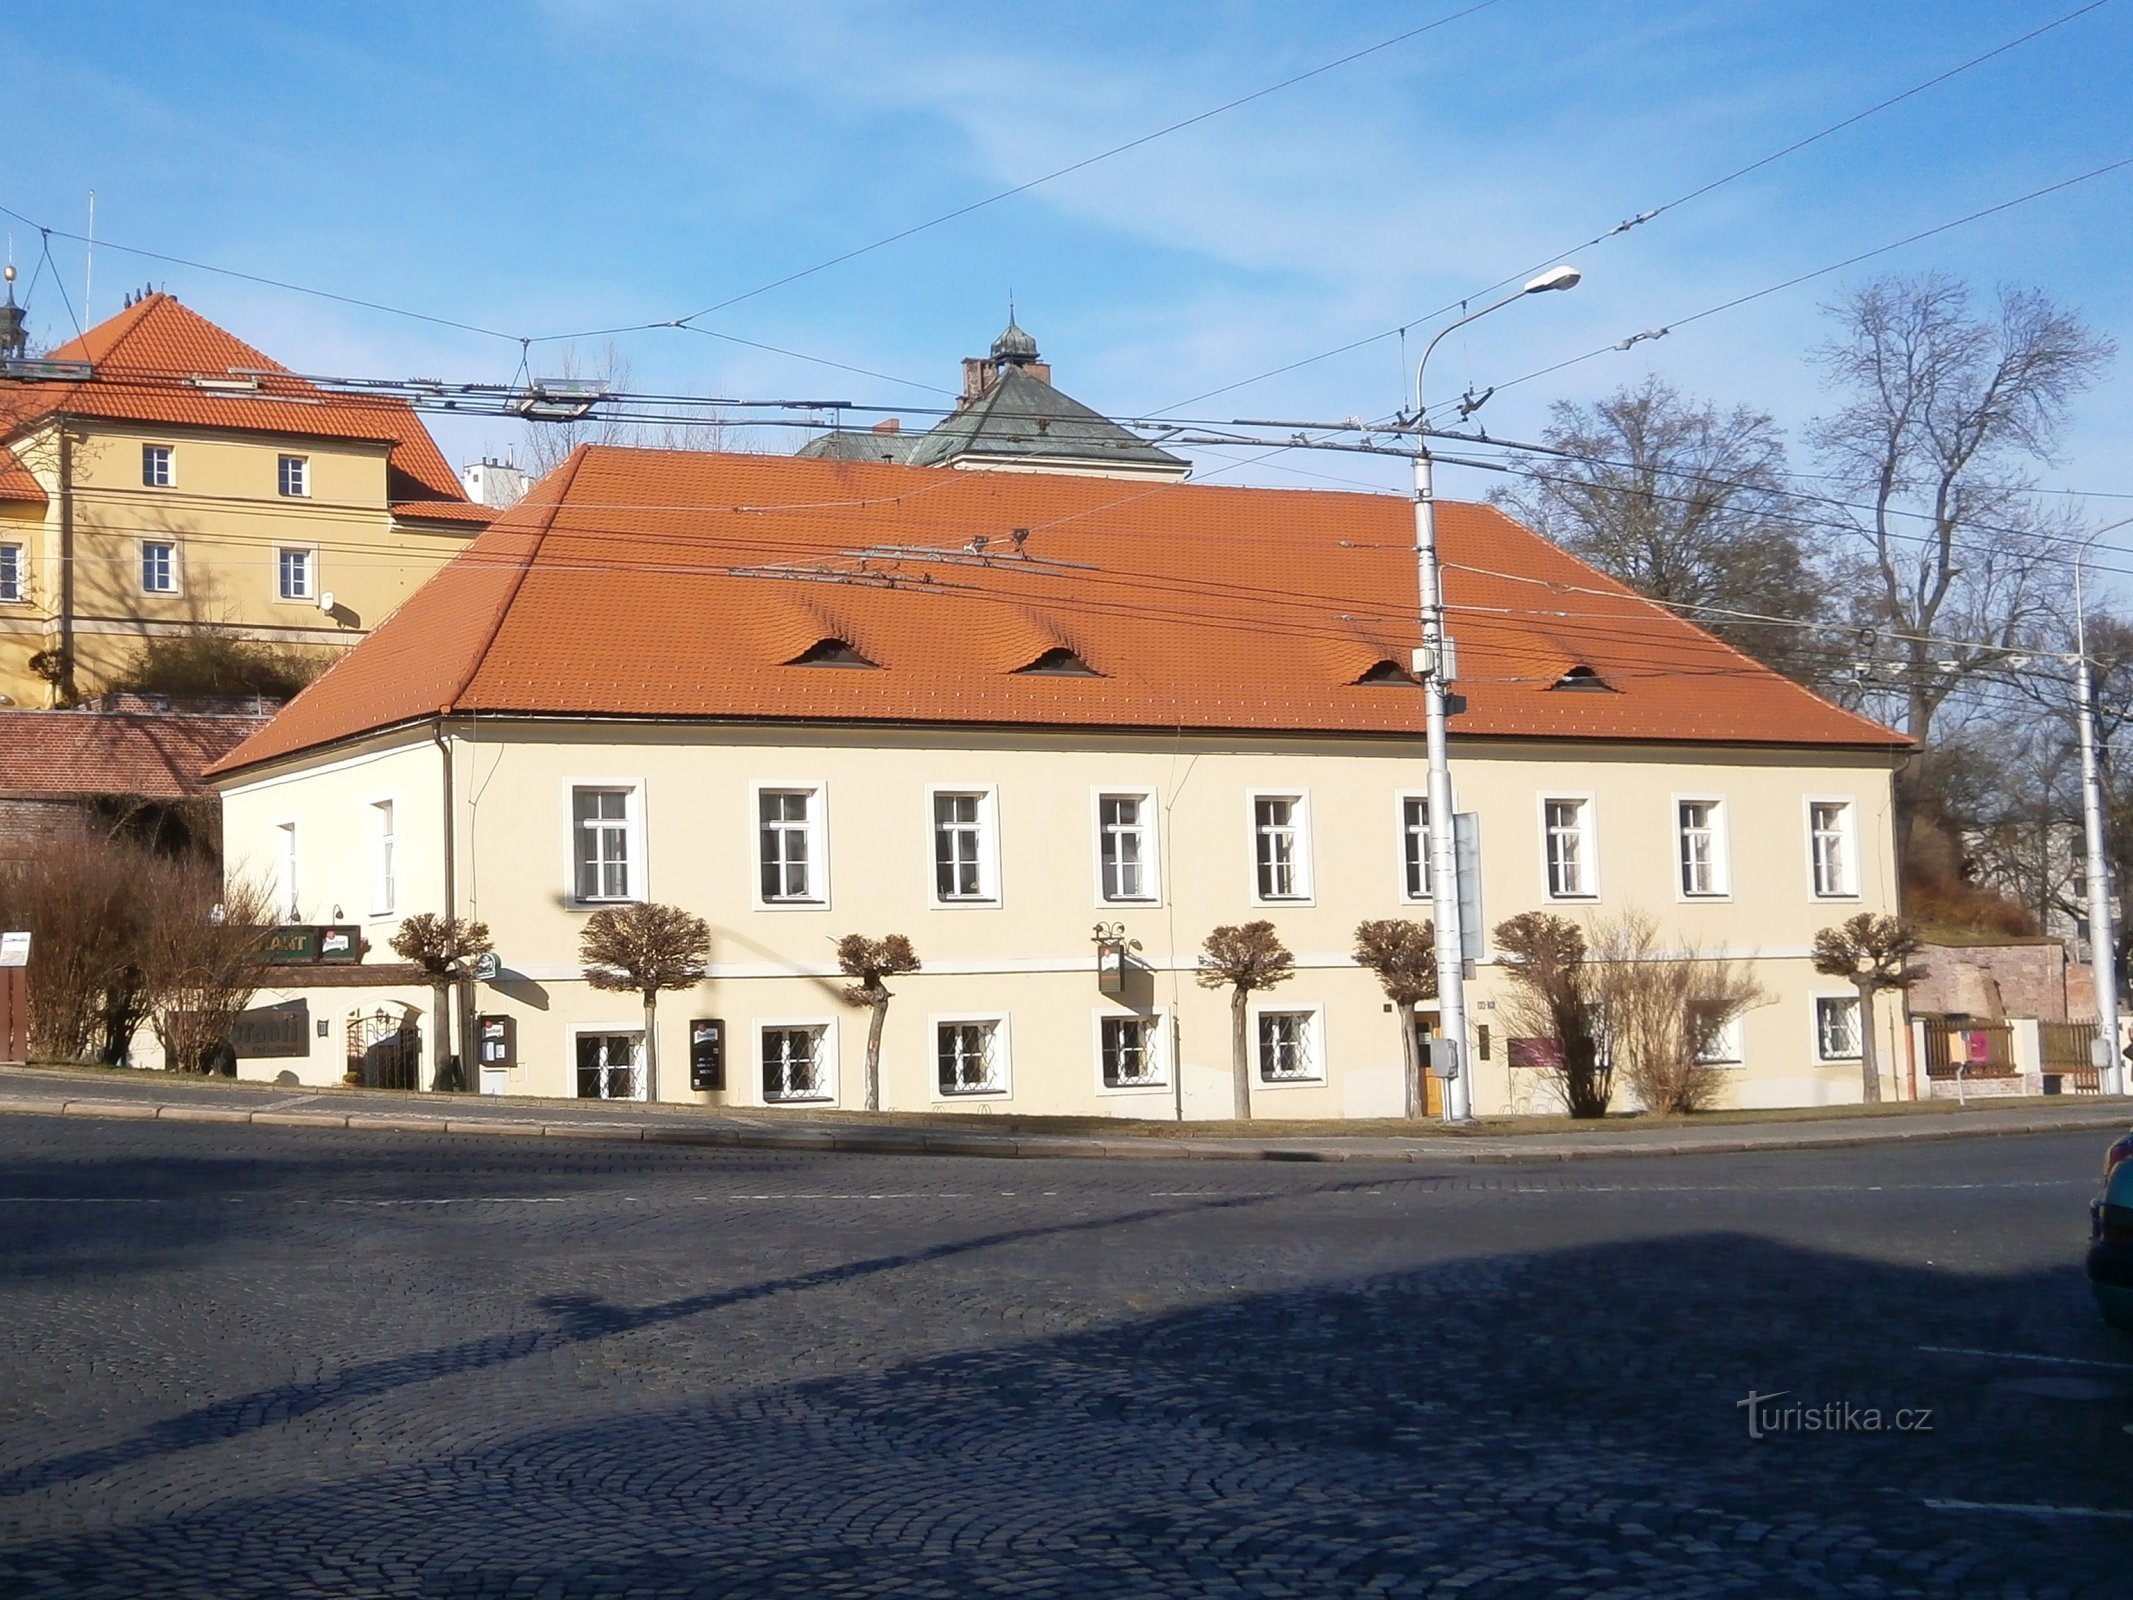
(147, 356)
(467, 511)
(16, 480)
(621, 586)
(103, 752)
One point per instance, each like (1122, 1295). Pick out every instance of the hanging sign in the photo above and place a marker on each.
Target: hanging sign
(1110, 968)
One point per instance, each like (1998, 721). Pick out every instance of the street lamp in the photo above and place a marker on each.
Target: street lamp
(1434, 662)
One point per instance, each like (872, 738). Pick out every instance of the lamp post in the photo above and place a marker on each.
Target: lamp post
(1436, 670)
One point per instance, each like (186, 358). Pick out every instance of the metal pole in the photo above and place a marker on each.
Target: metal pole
(1443, 851)
(2103, 935)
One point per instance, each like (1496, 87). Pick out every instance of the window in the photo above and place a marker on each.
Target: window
(14, 573)
(159, 466)
(1125, 846)
(289, 903)
(159, 567)
(381, 858)
(1288, 1047)
(1131, 1052)
(1700, 828)
(1829, 833)
(796, 1063)
(1414, 846)
(296, 573)
(962, 847)
(611, 1066)
(1714, 1035)
(295, 475)
(972, 1057)
(1281, 846)
(1568, 825)
(1837, 1027)
(791, 869)
(603, 843)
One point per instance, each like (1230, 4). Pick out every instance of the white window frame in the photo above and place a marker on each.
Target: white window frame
(176, 572)
(988, 862)
(14, 573)
(1150, 830)
(1314, 1016)
(1402, 836)
(1002, 1049)
(287, 871)
(633, 820)
(1731, 1044)
(302, 464)
(1589, 840)
(1300, 831)
(816, 829)
(1721, 850)
(613, 1030)
(1158, 1025)
(310, 588)
(159, 466)
(1848, 840)
(826, 1059)
(383, 819)
(1861, 1021)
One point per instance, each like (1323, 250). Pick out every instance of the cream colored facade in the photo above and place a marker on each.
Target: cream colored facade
(226, 522)
(1016, 959)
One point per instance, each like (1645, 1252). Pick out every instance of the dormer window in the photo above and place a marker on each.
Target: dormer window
(1583, 677)
(831, 652)
(1388, 671)
(1059, 662)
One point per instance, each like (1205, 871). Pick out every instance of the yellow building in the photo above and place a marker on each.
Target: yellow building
(159, 476)
(807, 697)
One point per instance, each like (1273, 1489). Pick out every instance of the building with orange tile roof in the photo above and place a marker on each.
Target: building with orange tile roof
(991, 710)
(160, 476)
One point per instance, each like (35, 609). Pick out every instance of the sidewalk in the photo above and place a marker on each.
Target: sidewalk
(89, 1093)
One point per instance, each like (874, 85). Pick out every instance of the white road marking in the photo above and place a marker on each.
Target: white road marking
(2024, 1355)
(2030, 1511)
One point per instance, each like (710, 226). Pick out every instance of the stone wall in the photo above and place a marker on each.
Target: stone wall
(2021, 978)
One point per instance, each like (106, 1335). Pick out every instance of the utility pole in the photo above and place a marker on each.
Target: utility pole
(2103, 931)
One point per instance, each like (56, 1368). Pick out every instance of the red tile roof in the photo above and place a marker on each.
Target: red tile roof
(612, 590)
(147, 356)
(466, 511)
(102, 752)
(16, 481)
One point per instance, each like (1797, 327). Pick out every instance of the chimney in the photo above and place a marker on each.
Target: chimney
(977, 378)
(1040, 370)
(889, 425)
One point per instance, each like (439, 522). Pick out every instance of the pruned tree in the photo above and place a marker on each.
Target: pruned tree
(1552, 999)
(869, 962)
(444, 948)
(1403, 955)
(1244, 960)
(1874, 954)
(200, 960)
(1686, 503)
(1664, 1010)
(642, 949)
(1942, 413)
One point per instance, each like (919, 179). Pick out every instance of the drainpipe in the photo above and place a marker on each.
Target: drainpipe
(64, 685)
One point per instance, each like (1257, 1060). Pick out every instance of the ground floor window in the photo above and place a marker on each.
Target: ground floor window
(1837, 1027)
(611, 1066)
(1132, 1052)
(1288, 1052)
(970, 1057)
(795, 1065)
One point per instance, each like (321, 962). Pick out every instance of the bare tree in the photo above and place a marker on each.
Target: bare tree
(1403, 954)
(200, 960)
(642, 949)
(1685, 503)
(1943, 412)
(870, 961)
(1552, 999)
(1243, 960)
(79, 898)
(1664, 1011)
(1874, 953)
(684, 424)
(443, 947)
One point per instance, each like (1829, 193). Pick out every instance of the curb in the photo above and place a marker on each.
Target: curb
(1040, 1147)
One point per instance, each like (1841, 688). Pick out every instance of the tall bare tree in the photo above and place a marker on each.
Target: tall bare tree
(444, 948)
(1943, 413)
(1403, 954)
(1874, 954)
(1665, 1008)
(1243, 959)
(1688, 504)
(642, 949)
(869, 962)
(200, 959)
(680, 424)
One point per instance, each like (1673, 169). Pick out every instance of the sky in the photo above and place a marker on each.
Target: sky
(555, 168)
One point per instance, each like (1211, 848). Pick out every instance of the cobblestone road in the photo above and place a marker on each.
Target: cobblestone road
(264, 1362)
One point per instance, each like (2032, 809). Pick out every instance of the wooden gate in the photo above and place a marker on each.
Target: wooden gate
(384, 1051)
(14, 1014)
(1970, 1050)
(2068, 1067)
